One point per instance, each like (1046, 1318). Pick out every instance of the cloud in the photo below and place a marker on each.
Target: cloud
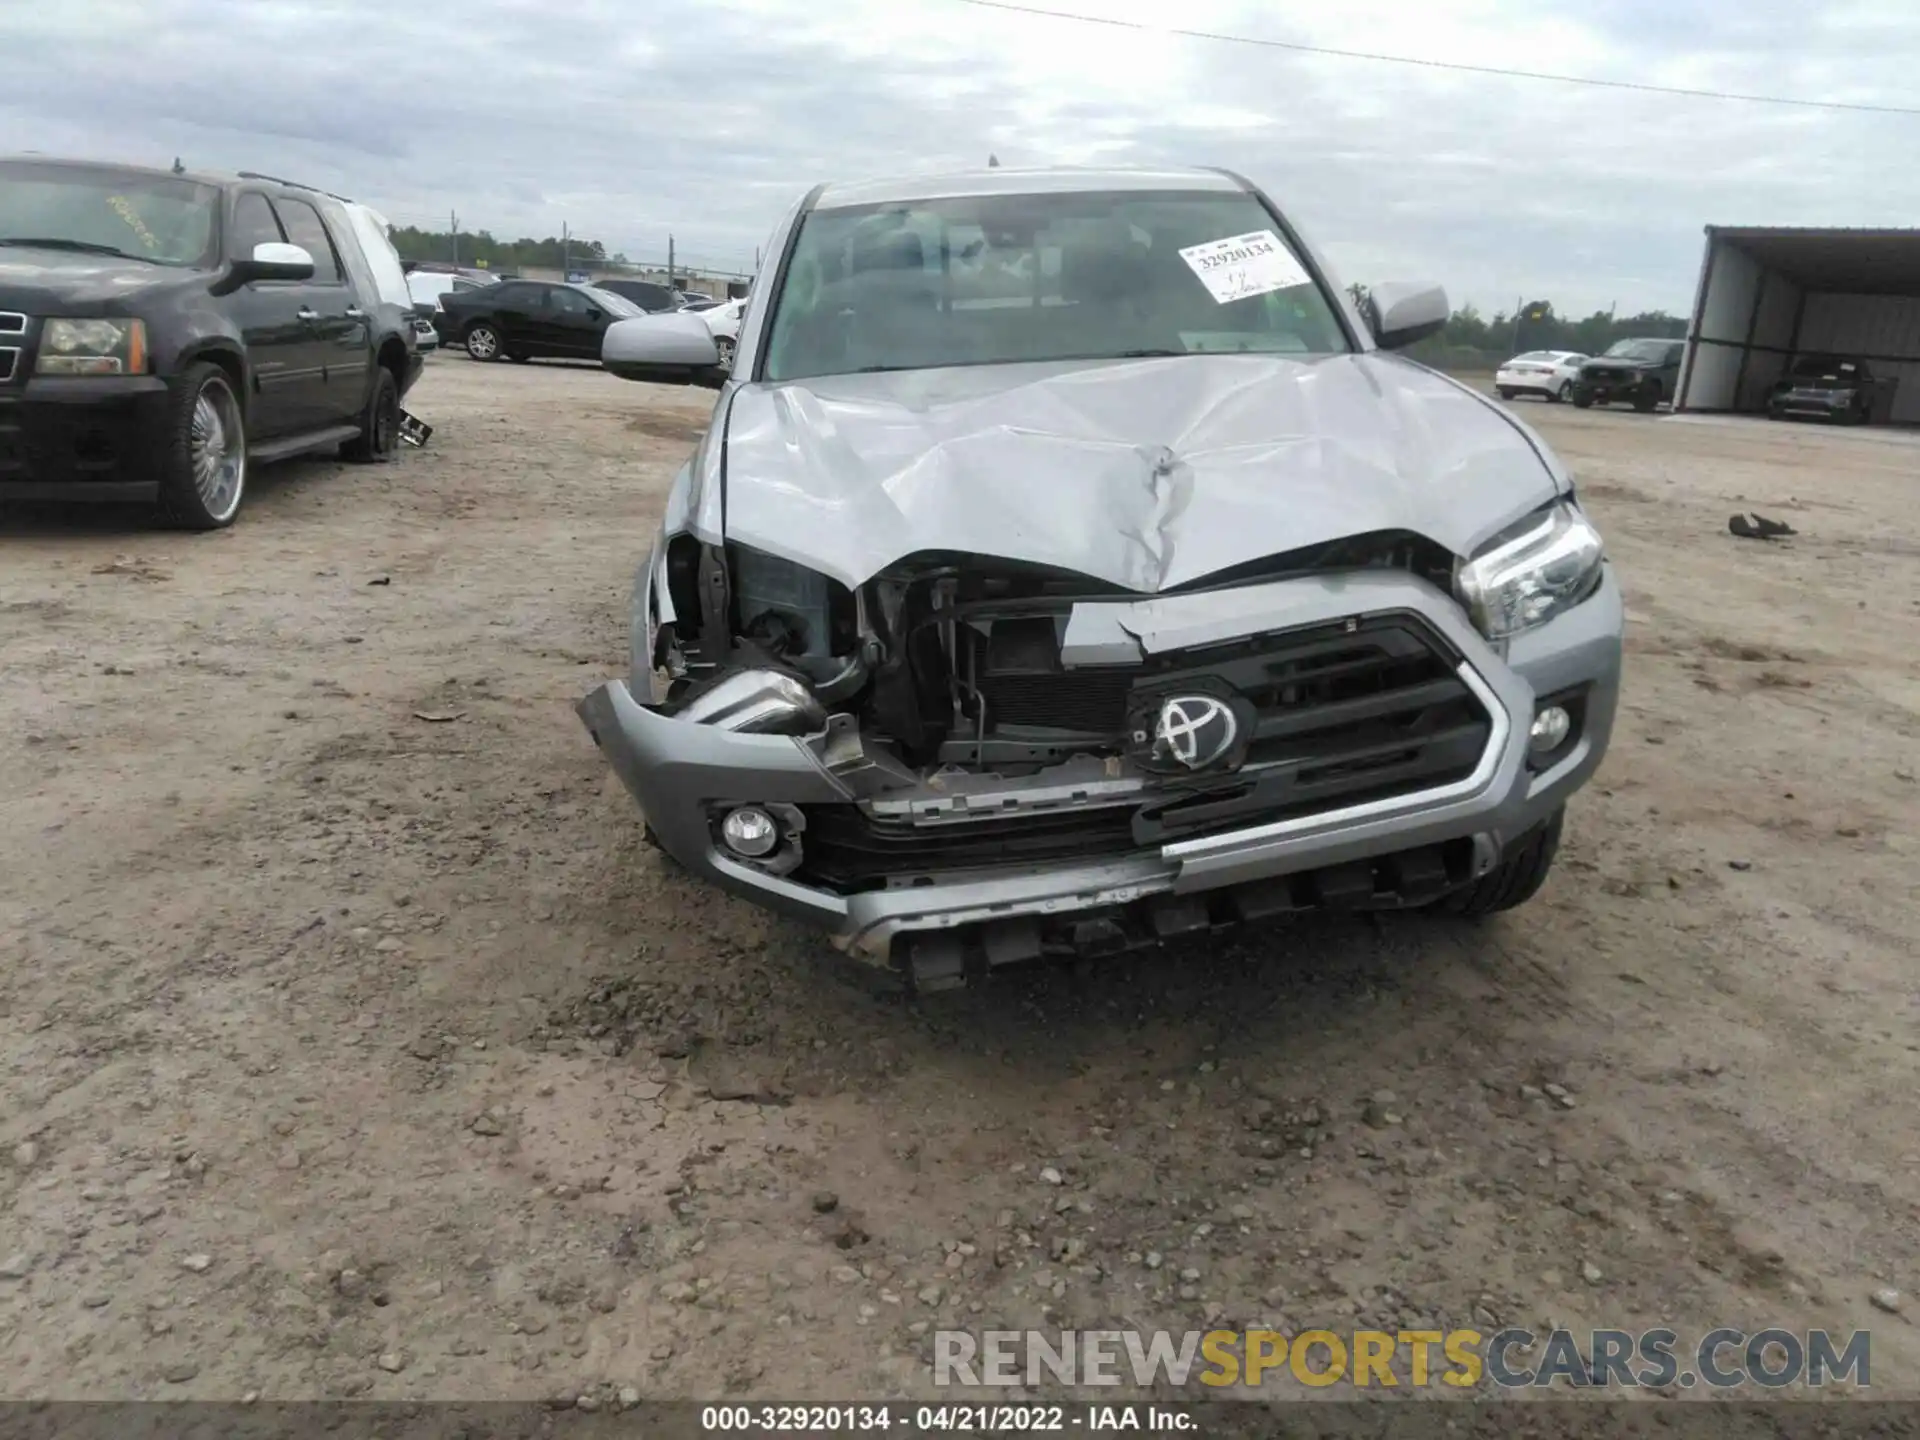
(707, 122)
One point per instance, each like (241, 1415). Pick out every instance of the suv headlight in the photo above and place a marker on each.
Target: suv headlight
(1531, 572)
(92, 347)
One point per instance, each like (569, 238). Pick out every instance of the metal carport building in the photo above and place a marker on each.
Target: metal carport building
(1769, 294)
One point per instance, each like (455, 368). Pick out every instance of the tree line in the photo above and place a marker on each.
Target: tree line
(480, 248)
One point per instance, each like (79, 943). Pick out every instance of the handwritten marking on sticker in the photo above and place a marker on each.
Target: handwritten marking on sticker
(1244, 265)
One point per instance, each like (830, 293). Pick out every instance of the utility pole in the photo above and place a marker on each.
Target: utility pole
(453, 234)
(1519, 306)
(669, 262)
(566, 251)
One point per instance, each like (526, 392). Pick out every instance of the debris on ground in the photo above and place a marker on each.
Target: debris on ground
(1758, 527)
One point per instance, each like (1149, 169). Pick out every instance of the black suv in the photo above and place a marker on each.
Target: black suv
(1643, 371)
(160, 331)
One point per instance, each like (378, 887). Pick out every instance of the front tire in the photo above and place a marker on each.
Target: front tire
(379, 434)
(1565, 392)
(725, 345)
(1582, 399)
(1648, 400)
(203, 464)
(1515, 880)
(483, 341)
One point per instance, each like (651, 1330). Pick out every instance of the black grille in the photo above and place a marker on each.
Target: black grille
(1086, 701)
(1342, 714)
(850, 850)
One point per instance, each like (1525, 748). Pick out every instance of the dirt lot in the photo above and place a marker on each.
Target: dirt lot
(355, 1045)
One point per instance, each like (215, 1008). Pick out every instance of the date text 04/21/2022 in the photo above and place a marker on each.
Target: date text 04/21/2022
(944, 1418)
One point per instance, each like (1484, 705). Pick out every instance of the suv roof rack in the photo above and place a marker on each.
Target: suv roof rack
(292, 185)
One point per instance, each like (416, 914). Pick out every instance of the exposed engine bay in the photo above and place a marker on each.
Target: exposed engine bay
(942, 695)
(947, 661)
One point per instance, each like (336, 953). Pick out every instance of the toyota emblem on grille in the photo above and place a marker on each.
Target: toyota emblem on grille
(1194, 730)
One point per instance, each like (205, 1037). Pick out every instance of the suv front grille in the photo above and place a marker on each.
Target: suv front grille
(12, 325)
(1342, 716)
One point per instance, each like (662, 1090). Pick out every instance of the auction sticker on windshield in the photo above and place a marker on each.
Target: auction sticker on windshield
(1244, 265)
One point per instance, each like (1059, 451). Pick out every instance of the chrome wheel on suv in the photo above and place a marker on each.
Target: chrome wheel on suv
(203, 462)
(483, 343)
(219, 447)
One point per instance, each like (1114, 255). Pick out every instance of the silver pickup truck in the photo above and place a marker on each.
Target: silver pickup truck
(1069, 564)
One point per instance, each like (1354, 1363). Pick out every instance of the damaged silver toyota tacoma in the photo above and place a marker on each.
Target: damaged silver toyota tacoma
(1069, 564)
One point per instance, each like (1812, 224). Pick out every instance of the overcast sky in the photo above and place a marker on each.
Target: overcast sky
(628, 119)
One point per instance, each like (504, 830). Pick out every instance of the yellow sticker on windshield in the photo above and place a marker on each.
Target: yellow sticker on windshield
(124, 209)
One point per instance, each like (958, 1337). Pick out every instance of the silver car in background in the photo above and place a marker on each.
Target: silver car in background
(1069, 565)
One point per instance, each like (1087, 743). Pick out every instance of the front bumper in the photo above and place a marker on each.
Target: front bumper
(1601, 390)
(1812, 406)
(95, 437)
(679, 772)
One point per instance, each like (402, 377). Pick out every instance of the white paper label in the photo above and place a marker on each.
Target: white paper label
(1244, 265)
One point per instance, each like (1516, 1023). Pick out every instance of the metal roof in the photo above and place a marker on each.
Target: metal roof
(1003, 181)
(1833, 261)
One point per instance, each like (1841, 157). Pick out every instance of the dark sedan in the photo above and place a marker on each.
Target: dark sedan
(527, 319)
(1824, 387)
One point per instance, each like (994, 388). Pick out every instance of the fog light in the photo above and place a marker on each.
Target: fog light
(750, 831)
(1549, 731)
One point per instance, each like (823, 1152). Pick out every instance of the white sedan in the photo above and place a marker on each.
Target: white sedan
(723, 323)
(1546, 373)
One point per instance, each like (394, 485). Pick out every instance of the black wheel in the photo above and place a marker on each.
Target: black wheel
(518, 357)
(1582, 399)
(1564, 392)
(1647, 400)
(203, 461)
(1506, 391)
(482, 341)
(379, 434)
(725, 345)
(1514, 881)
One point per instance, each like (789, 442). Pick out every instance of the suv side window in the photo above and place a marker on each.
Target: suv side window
(569, 302)
(520, 296)
(253, 224)
(304, 228)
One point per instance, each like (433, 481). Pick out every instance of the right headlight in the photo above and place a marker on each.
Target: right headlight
(92, 347)
(1528, 574)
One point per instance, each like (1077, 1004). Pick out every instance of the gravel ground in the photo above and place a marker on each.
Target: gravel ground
(355, 1045)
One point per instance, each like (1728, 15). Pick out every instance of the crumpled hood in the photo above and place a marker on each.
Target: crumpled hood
(1147, 474)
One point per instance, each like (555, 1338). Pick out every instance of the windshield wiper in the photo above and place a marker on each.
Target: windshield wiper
(54, 242)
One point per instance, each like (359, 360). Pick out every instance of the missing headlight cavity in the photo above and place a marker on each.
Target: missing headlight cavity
(780, 605)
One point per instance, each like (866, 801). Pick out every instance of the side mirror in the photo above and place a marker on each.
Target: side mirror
(274, 260)
(669, 349)
(1400, 312)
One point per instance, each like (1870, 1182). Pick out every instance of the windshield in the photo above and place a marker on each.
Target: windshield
(611, 303)
(1825, 368)
(987, 280)
(1655, 350)
(117, 212)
